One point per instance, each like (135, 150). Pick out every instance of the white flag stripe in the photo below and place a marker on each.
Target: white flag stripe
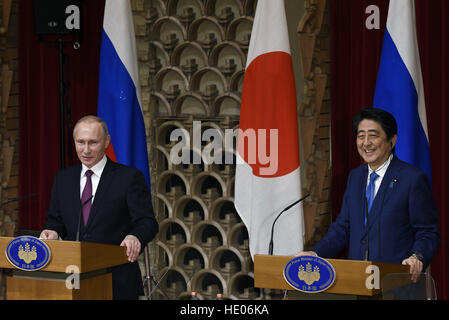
(118, 27)
(259, 199)
(400, 14)
(266, 38)
(265, 199)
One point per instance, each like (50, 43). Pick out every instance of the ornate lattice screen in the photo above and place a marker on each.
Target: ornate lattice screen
(192, 59)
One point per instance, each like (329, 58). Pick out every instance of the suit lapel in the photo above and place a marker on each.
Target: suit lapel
(362, 198)
(74, 196)
(75, 185)
(384, 192)
(390, 177)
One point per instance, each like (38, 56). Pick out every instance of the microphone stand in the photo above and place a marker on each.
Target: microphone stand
(270, 248)
(61, 89)
(149, 278)
(19, 199)
(366, 227)
(79, 217)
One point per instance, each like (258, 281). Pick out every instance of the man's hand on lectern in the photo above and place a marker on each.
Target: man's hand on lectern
(306, 253)
(416, 267)
(133, 246)
(49, 235)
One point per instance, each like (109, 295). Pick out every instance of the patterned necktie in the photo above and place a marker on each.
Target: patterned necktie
(370, 190)
(87, 193)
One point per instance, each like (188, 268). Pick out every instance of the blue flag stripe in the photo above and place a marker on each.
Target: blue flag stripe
(397, 94)
(119, 107)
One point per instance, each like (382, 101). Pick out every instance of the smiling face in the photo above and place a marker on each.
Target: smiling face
(90, 142)
(373, 144)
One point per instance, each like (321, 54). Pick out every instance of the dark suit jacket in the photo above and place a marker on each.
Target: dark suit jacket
(122, 206)
(402, 220)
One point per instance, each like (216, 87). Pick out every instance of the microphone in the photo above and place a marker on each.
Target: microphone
(79, 217)
(367, 231)
(270, 248)
(32, 195)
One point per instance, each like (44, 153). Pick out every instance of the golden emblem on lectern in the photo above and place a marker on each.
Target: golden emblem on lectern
(28, 254)
(307, 275)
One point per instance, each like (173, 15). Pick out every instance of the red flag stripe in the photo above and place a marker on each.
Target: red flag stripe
(269, 102)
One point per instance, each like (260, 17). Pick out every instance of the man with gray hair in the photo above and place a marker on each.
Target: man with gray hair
(114, 200)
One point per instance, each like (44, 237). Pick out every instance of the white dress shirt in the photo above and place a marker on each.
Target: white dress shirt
(97, 171)
(381, 172)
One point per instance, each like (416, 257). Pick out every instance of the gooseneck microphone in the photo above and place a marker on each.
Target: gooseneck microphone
(19, 199)
(79, 217)
(366, 227)
(270, 248)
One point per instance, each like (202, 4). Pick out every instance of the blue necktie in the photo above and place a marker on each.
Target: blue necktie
(370, 190)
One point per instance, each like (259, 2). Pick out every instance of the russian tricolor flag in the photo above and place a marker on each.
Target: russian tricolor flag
(399, 87)
(119, 102)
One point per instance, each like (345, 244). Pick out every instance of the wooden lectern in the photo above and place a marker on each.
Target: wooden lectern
(351, 275)
(49, 283)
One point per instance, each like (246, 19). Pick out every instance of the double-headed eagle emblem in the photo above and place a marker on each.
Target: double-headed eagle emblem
(28, 254)
(307, 275)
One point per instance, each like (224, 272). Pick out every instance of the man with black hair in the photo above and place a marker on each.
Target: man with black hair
(388, 212)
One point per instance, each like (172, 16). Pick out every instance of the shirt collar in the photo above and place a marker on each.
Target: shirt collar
(383, 167)
(97, 169)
